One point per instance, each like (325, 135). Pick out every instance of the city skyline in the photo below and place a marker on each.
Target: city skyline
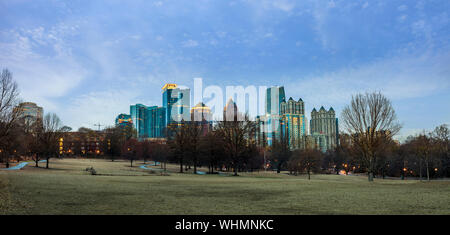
(77, 62)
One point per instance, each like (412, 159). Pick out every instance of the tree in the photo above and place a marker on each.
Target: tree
(308, 160)
(161, 152)
(9, 115)
(48, 135)
(422, 147)
(131, 150)
(280, 151)
(370, 119)
(212, 152)
(179, 143)
(441, 135)
(237, 136)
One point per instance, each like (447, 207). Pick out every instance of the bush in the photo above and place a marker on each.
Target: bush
(91, 170)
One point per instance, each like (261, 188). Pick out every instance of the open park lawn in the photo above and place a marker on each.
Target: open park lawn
(117, 188)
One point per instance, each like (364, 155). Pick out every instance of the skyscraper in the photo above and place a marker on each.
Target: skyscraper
(274, 97)
(176, 101)
(292, 121)
(324, 127)
(156, 121)
(139, 114)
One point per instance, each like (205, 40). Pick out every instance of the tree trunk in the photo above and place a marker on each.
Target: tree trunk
(370, 176)
(420, 169)
(195, 166)
(46, 163)
(278, 168)
(181, 165)
(309, 175)
(428, 171)
(131, 163)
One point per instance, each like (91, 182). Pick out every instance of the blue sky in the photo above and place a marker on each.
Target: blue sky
(88, 61)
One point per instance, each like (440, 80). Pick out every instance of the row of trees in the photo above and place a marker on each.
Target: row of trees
(426, 154)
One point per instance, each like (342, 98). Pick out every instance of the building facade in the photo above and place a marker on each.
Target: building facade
(156, 121)
(30, 113)
(138, 113)
(293, 122)
(324, 128)
(270, 123)
(176, 101)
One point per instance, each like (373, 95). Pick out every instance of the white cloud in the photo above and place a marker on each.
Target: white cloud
(41, 76)
(402, 8)
(365, 5)
(97, 107)
(190, 43)
(400, 77)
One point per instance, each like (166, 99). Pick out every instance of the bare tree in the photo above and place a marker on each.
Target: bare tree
(9, 98)
(308, 160)
(370, 119)
(237, 135)
(280, 151)
(48, 136)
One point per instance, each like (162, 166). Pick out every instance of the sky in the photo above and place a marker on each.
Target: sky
(87, 61)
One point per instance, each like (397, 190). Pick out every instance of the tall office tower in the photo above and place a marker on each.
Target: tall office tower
(138, 115)
(274, 97)
(176, 101)
(156, 121)
(230, 111)
(201, 112)
(124, 120)
(202, 115)
(29, 112)
(292, 121)
(324, 127)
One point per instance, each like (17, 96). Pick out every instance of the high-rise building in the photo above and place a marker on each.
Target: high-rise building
(201, 112)
(138, 115)
(292, 121)
(230, 111)
(156, 122)
(124, 120)
(149, 121)
(274, 97)
(30, 113)
(202, 115)
(324, 126)
(176, 101)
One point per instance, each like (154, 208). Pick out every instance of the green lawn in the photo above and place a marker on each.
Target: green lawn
(68, 189)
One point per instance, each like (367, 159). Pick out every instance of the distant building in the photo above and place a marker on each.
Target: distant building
(292, 121)
(202, 115)
(124, 120)
(324, 128)
(30, 113)
(176, 101)
(149, 121)
(138, 115)
(269, 124)
(156, 122)
(230, 111)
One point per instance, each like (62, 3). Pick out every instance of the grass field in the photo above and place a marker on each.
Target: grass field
(67, 188)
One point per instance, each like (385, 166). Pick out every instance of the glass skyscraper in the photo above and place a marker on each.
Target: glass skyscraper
(274, 97)
(176, 101)
(139, 114)
(149, 121)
